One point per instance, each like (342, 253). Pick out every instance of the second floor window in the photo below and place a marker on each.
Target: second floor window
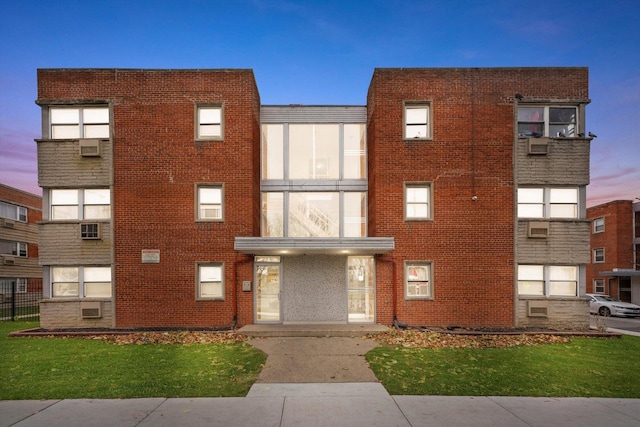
(210, 203)
(209, 122)
(547, 203)
(417, 201)
(18, 213)
(18, 249)
(549, 121)
(416, 121)
(598, 255)
(75, 204)
(598, 225)
(74, 123)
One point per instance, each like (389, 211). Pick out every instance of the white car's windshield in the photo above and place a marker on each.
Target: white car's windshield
(604, 298)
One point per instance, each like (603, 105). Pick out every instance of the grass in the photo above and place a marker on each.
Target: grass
(71, 368)
(585, 367)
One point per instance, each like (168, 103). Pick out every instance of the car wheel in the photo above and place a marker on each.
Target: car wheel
(604, 311)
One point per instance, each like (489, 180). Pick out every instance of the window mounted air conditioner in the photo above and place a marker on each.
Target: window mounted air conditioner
(9, 260)
(90, 231)
(538, 229)
(538, 146)
(7, 223)
(90, 148)
(537, 309)
(91, 309)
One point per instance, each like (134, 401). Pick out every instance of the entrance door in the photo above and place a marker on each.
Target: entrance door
(361, 289)
(268, 292)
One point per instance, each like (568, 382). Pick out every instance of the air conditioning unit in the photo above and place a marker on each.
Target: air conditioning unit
(90, 148)
(91, 309)
(538, 229)
(9, 260)
(537, 309)
(538, 146)
(90, 231)
(7, 223)
(212, 213)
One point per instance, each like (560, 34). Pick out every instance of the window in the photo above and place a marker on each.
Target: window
(418, 284)
(7, 286)
(89, 282)
(210, 281)
(210, 203)
(552, 121)
(598, 255)
(598, 286)
(72, 204)
(9, 211)
(547, 203)
(18, 249)
(74, 123)
(548, 280)
(598, 225)
(209, 122)
(416, 122)
(417, 201)
(314, 151)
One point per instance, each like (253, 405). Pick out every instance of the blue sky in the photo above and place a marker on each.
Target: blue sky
(324, 52)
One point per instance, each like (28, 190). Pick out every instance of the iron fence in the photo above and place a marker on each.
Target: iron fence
(19, 305)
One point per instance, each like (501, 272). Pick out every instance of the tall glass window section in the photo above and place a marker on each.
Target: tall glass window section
(316, 157)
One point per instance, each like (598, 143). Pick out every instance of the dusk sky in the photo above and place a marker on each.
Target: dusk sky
(324, 52)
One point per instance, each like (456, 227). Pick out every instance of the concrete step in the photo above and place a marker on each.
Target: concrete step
(312, 330)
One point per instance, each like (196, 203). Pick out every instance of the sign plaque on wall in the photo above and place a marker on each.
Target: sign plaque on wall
(151, 256)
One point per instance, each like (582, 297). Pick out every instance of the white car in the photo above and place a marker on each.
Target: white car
(604, 305)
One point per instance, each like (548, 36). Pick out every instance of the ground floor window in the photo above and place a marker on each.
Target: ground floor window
(81, 281)
(548, 280)
(210, 281)
(598, 286)
(418, 283)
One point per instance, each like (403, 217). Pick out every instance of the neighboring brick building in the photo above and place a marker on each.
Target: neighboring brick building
(455, 197)
(20, 274)
(615, 250)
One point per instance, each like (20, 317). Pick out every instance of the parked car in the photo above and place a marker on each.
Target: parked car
(604, 305)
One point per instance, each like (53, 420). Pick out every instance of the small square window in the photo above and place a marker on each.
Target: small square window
(598, 225)
(211, 281)
(418, 283)
(209, 122)
(209, 201)
(598, 255)
(417, 121)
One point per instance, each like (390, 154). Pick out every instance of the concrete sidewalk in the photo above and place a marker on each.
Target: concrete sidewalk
(338, 404)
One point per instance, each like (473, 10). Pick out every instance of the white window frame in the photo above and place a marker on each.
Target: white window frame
(208, 119)
(413, 283)
(598, 225)
(546, 123)
(599, 283)
(13, 212)
(83, 275)
(215, 277)
(411, 204)
(547, 203)
(82, 201)
(598, 255)
(416, 121)
(544, 278)
(83, 125)
(21, 285)
(211, 204)
(18, 249)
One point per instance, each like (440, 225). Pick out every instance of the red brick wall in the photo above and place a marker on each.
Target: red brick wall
(471, 243)
(616, 239)
(156, 165)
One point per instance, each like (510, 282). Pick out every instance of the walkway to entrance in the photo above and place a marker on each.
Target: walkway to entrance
(312, 330)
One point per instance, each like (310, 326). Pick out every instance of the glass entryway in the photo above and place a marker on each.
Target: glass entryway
(361, 289)
(268, 290)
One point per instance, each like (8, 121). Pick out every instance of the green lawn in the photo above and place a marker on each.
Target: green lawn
(586, 367)
(63, 368)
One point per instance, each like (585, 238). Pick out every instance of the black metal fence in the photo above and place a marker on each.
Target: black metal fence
(16, 305)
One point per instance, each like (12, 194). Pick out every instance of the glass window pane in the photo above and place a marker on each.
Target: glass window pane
(211, 273)
(314, 215)
(210, 195)
(314, 151)
(97, 274)
(65, 132)
(64, 197)
(65, 274)
(97, 197)
(531, 114)
(530, 195)
(417, 211)
(209, 115)
(417, 194)
(563, 195)
(354, 151)
(558, 272)
(95, 115)
(96, 131)
(65, 116)
(272, 151)
(210, 130)
(530, 272)
(417, 272)
(97, 212)
(563, 211)
(416, 131)
(562, 115)
(531, 211)
(416, 115)
(354, 214)
(211, 290)
(97, 290)
(562, 288)
(272, 215)
(528, 287)
(64, 212)
(65, 289)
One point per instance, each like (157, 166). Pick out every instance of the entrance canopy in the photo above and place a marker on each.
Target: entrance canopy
(618, 273)
(299, 246)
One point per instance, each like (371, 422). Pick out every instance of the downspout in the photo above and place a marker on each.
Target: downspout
(234, 323)
(394, 291)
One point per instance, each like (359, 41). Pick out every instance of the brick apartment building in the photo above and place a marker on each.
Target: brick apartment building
(20, 274)
(615, 250)
(454, 197)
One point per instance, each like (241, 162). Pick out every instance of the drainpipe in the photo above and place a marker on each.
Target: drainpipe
(394, 291)
(235, 283)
